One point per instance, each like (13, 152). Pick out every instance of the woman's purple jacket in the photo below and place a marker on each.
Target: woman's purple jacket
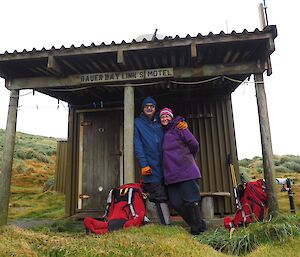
(179, 151)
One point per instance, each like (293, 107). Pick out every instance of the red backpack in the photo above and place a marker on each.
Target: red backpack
(125, 208)
(253, 205)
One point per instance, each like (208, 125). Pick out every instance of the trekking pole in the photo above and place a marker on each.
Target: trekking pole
(288, 182)
(234, 183)
(291, 195)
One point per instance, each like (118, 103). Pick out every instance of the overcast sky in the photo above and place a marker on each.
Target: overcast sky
(33, 23)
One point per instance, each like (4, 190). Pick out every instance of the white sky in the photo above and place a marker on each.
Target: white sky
(33, 23)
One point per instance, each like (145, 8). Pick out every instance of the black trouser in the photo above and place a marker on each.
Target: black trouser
(183, 193)
(184, 197)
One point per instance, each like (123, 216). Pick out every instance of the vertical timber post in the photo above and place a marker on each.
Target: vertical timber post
(266, 144)
(262, 16)
(8, 153)
(129, 168)
(69, 199)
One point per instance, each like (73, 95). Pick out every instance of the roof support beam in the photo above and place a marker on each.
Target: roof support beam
(204, 71)
(120, 57)
(217, 70)
(53, 65)
(193, 50)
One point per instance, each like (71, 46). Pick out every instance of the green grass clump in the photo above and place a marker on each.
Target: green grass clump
(283, 169)
(29, 147)
(245, 240)
(150, 240)
(245, 162)
(66, 225)
(292, 165)
(61, 239)
(36, 204)
(284, 164)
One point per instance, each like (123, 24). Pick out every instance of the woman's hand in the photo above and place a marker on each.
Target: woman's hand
(182, 125)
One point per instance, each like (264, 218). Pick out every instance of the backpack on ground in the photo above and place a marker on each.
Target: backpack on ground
(125, 208)
(253, 205)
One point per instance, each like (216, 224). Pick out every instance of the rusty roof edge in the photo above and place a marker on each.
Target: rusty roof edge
(134, 45)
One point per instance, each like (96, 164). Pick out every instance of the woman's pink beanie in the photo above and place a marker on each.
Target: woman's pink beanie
(166, 111)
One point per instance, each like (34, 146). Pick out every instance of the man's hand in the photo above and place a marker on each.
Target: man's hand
(146, 171)
(182, 125)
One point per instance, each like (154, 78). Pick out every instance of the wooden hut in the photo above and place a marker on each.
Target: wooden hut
(105, 84)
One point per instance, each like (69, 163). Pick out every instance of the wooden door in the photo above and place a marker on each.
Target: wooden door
(101, 157)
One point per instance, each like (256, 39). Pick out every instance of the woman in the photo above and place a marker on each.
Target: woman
(181, 172)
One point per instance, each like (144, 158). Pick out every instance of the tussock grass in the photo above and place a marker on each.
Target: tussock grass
(276, 249)
(150, 240)
(245, 240)
(36, 204)
(33, 179)
(32, 198)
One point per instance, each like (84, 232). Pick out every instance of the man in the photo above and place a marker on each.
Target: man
(148, 139)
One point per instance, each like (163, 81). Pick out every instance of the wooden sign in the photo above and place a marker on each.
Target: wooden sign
(126, 75)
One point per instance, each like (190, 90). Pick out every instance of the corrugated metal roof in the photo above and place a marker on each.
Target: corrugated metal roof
(271, 29)
(201, 56)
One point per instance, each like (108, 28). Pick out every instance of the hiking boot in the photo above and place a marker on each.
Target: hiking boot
(198, 225)
(204, 225)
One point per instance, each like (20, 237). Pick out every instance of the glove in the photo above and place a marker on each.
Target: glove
(182, 125)
(146, 171)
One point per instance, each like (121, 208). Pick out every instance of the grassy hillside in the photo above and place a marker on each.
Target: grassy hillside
(34, 167)
(279, 239)
(286, 166)
(33, 178)
(33, 198)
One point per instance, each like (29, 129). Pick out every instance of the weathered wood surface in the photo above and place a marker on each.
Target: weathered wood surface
(266, 144)
(100, 157)
(129, 167)
(8, 153)
(179, 73)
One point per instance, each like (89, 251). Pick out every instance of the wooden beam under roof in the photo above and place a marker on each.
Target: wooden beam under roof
(217, 70)
(54, 66)
(204, 71)
(193, 50)
(120, 57)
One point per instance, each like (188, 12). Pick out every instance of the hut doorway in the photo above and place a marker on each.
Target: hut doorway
(100, 164)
